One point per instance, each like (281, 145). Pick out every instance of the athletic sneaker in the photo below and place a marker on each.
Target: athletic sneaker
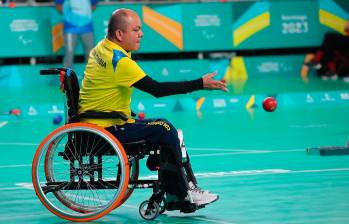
(193, 186)
(200, 197)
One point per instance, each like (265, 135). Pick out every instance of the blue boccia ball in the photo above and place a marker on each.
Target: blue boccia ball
(57, 119)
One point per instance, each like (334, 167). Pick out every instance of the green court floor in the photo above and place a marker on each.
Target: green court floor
(257, 165)
(254, 160)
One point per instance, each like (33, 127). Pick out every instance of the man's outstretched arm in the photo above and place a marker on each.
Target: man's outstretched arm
(160, 89)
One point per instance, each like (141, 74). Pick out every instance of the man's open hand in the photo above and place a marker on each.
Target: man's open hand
(211, 84)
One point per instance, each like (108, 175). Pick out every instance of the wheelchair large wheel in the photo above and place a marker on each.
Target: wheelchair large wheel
(80, 172)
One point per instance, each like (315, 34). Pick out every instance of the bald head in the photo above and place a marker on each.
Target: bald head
(119, 20)
(125, 29)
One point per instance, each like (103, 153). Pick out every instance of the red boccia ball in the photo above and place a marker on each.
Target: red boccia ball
(11, 4)
(269, 104)
(16, 112)
(141, 115)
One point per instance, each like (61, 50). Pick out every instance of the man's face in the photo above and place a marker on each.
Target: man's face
(132, 35)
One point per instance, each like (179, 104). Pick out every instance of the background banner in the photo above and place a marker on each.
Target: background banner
(35, 31)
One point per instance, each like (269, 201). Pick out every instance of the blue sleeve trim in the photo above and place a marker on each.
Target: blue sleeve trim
(59, 2)
(94, 2)
(117, 55)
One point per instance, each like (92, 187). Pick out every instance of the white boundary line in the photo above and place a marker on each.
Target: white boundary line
(188, 148)
(15, 166)
(216, 174)
(248, 152)
(19, 143)
(198, 155)
(2, 124)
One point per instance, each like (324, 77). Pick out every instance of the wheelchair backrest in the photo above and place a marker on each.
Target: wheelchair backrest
(69, 85)
(71, 89)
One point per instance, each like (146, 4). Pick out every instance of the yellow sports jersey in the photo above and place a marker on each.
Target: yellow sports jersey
(106, 87)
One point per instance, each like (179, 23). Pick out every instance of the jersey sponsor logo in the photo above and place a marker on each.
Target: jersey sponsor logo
(98, 59)
(160, 123)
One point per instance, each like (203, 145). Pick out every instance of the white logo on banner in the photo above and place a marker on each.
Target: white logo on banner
(269, 67)
(294, 24)
(32, 111)
(234, 100)
(160, 105)
(182, 70)
(219, 103)
(21, 25)
(327, 97)
(164, 72)
(55, 110)
(207, 34)
(344, 96)
(207, 20)
(140, 106)
(24, 41)
(309, 99)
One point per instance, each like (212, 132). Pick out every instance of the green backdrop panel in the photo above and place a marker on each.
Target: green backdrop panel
(206, 27)
(26, 30)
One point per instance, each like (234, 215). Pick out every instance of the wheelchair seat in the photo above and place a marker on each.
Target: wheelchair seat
(81, 172)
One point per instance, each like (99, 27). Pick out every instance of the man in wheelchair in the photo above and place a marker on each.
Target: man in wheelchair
(109, 77)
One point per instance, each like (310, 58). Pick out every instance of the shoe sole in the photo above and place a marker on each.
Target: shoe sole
(209, 202)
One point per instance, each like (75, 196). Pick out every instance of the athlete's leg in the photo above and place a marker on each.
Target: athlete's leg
(69, 49)
(162, 132)
(158, 132)
(88, 42)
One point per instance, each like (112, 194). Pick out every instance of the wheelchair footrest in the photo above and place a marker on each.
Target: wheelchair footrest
(182, 206)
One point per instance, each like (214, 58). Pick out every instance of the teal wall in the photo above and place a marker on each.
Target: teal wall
(26, 31)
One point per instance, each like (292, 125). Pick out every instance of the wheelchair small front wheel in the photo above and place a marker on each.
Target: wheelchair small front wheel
(149, 211)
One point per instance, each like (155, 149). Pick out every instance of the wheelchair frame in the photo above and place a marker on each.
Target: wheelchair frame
(54, 180)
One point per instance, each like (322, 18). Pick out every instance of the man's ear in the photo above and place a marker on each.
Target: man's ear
(119, 35)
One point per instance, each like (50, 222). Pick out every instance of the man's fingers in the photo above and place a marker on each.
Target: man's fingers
(214, 73)
(225, 89)
(211, 75)
(219, 85)
(210, 83)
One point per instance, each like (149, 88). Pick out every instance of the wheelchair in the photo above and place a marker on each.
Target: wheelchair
(81, 172)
